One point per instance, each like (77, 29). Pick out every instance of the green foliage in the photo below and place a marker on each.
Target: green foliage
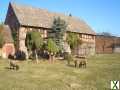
(1, 36)
(29, 41)
(1, 26)
(59, 28)
(14, 35)
(51, 46)
(34, 40)
(1, 40)
(37, 39)
(73, 40)
(68, 57)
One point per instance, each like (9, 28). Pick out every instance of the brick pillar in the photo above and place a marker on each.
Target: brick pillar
(22, 37)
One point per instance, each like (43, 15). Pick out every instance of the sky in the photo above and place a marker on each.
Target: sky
(100, 15)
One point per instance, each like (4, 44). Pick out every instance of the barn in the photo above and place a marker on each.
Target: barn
(22, 19)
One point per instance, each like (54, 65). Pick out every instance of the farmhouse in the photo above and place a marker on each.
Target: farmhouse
(22, 19)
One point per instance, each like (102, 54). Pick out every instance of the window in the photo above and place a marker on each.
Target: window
(80, 35)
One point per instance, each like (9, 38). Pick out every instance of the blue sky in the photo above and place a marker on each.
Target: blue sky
(101, 15)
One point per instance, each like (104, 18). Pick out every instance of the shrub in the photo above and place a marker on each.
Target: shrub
(68, 57)
(10, 56)
(20, 55)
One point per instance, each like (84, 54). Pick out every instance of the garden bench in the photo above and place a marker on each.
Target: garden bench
(80, 61)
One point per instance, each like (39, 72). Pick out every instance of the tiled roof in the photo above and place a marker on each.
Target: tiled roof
(7, 34)
(31, 16)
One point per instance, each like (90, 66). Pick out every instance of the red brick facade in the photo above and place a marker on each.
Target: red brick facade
(7, 49)
(106, 44)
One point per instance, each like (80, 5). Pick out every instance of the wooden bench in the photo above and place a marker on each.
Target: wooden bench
(80, 61)
(13, 62)
(14, 65)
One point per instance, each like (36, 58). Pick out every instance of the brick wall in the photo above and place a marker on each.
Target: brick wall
(106, 44)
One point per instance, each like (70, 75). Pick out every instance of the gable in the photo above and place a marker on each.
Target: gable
(11, 19)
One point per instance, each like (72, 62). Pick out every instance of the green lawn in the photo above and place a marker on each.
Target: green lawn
(101, 69)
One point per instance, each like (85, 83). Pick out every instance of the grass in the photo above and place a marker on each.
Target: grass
(101, 69)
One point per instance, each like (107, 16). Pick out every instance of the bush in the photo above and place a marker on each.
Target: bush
(10, 56)
(68, 57)
(20, 55)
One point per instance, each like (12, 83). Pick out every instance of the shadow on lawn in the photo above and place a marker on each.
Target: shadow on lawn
(8, 68)
(69, 65)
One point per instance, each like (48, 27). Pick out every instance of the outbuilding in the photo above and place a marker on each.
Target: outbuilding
(8, 46)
